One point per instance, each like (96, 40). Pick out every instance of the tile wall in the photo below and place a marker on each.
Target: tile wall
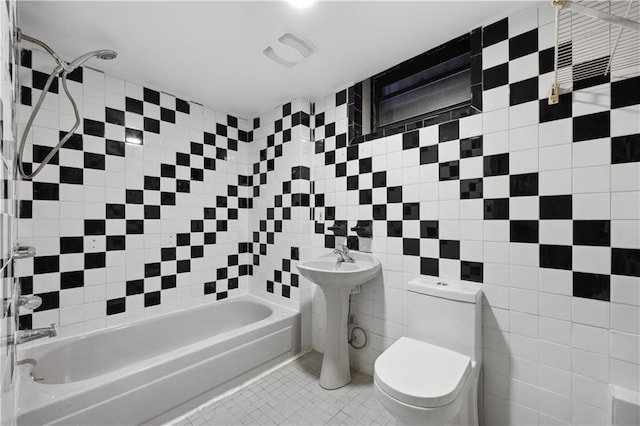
(538, 204)
(8, 209)
(144, 210)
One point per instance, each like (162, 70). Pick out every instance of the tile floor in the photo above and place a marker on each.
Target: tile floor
(291, 396)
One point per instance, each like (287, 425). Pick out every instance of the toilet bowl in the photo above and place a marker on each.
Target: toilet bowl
(430, 377)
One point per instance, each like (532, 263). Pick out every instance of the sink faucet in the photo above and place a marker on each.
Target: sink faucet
(343, 254)
(23, 336)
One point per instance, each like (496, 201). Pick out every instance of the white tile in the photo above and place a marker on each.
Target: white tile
(556, 281)
(523, 138)
(624, 121)
(521, 208)
(523, 347)
(586, 414)
(625, 177)
(554, 355)
(525, 161)
(525, 114)
(596, 260)
(592, 153)
(590, 364)
(554, 405)
(591, 100)
(553, 330)
(524, 254)
(590, 391)
(625, 234)
(556, 232)
(591, 206)
(523, 21)
(591, 179)
(588, 338)
(523, 68)
(470, 126)
(555, 182)
(555, 157)
(557, 132)
(496, 252)
(495, 143)
(523, 324)
(495, 54)
(625, 205)
(625, 290)
(555, 306)
(495, 98)
(495, 121)
(523, 301)
(590, 312)
(625, 374)
(495, 187)
(625, 318)
(555, 380)
(524, 277)
(625, 346)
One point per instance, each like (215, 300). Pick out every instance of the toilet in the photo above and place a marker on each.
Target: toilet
(430, 376)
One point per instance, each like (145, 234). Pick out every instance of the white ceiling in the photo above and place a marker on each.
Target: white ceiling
(211, 52)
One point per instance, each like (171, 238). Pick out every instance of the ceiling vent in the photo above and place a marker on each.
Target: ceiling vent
(289, 50)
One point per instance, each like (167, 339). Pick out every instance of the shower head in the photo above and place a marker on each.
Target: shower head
(100, 54)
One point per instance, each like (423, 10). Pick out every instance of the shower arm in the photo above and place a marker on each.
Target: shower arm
(45, 46)
(36, 108)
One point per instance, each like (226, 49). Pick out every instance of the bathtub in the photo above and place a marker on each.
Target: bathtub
(154, 370)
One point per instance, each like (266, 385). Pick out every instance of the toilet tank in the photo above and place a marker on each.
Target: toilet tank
(446, 313)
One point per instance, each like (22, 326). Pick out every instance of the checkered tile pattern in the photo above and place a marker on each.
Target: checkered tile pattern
(128, 130)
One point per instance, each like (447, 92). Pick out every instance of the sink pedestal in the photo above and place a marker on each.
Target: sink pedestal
(335, 362)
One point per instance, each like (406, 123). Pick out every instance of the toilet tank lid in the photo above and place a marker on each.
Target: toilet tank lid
(446, 288)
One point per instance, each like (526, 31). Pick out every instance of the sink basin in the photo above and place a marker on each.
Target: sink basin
(325, 271)
(336, 280)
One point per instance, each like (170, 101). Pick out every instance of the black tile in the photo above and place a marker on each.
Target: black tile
(116, 242)
(134, 287)
(556, 207)
(523, 91)
(394, 228)
(40, 153)
(182, 106)
(94, 227)
(523, 185)
(152, 270)
(410, 140)
(600, 77)
(183, 239)
(449, 170)
(71, 175)
(471, 271)
(341, 97)
(26, 57)
(592, 286)
(94, 161)
(429, 266)
(135, 226)
(114, 116)
(411, 246)
(115, 211)
(167, 115)
(411, 211)
(168, 253)
(429, 229)
(523, 231)
(169, 281)
(523, 44)
(448, 131)
(152, 183)
(496, 165)
(152, 212)
(365, 196)
(379, 179)
(471, 147)
(116, 306)
(546, 60)
(496, 209)
(495, 33)
(46, 264)
(470, 188)
(625, 92)
(39, 79)
(365, 165)
(429, 154)
(151, 125)
(210, 287)
(592, 126)
(115, 148)
(625, 262)
(134, 196)
(45, 191)
(394, 194)
(26, 209)
(135, 106)
(71, 245)
(152, 299)
(95, 260)
(379, 212)
(556, 257)
(563, 109)
(449, 249)
(625, 149)
(151, 96)
(592, 232)
(183, 266)
(133, 136)
(25, 95)
(495, 76)
(50, 300)
(167, 199)
(72, 279)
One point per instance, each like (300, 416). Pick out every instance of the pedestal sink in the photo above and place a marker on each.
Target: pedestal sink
(337, 279)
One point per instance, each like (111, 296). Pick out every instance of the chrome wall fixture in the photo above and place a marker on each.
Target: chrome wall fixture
(62, 69)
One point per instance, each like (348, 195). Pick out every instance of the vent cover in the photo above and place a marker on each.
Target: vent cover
(289, 50)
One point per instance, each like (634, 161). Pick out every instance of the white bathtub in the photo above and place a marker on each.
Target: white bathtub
(153, 370)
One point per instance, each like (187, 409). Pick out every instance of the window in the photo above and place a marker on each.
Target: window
(436, 81)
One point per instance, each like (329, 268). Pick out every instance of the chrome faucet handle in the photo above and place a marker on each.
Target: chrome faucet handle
(30, 302)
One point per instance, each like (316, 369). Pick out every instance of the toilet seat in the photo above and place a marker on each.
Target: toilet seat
(421, 374)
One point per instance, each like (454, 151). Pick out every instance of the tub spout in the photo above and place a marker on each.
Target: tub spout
(23, 336)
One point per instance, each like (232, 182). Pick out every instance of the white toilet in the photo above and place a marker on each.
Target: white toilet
(431, 376)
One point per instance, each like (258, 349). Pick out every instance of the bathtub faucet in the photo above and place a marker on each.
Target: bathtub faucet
(344, 254)
(23, 336)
